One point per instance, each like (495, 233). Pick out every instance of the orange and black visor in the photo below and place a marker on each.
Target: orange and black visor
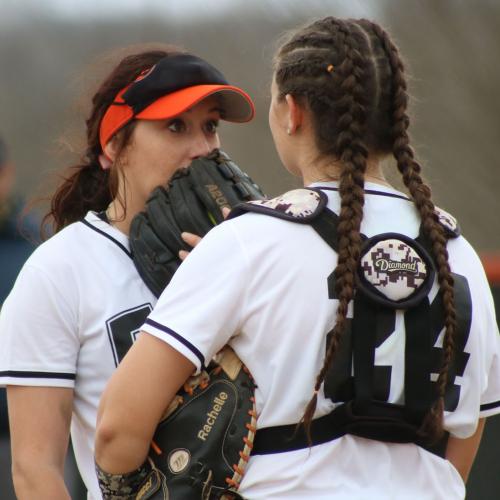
(173, 85)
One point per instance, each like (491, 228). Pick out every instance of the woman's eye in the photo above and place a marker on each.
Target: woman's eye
(176, 126)
(211, 126)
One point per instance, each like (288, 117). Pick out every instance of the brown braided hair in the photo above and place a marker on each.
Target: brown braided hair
(351, 77)
(87, 186)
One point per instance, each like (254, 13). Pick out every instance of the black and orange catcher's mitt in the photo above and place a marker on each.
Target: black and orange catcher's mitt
(203, 443)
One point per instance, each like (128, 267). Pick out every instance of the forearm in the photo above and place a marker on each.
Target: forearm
(135, 400)
(39, 419)
(39, 481)
(462, 452)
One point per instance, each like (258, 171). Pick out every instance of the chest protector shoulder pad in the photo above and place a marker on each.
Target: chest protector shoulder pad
(299, 205)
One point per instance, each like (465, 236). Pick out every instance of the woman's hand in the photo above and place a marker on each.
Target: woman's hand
(192, 239)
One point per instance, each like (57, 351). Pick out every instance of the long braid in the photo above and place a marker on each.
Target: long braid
(349, 147)
(421, 194)
(358, 107)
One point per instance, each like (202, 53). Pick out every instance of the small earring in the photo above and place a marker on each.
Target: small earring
(289, 131)
(105, 162)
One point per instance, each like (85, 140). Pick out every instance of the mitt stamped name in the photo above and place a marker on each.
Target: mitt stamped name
(212, 415)
(217, 195)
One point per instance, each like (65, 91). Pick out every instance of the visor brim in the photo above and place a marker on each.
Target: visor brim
(235, 104)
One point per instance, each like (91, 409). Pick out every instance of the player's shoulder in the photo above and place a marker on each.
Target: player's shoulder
(462, 254)
(63, 250)
(257, 229)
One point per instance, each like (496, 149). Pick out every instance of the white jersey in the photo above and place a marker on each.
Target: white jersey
(73, 313)
(265, 292)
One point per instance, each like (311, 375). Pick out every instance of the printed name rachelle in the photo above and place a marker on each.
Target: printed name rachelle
(212, 415)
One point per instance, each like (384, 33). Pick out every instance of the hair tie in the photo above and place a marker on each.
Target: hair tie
(330, 68)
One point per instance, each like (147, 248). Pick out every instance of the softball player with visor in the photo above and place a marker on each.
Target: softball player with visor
(78, 303)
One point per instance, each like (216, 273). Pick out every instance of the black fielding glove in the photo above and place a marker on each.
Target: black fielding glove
(192, 202)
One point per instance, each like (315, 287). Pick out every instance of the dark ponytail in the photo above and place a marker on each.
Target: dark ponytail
(86, 185)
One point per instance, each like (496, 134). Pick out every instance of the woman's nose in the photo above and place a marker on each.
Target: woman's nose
(200, 148)
(203, 146)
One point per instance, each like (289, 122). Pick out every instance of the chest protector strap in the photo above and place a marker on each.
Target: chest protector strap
(395, 272)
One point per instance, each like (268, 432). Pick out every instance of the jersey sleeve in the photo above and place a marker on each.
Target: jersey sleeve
(203, 305)
(484, 334)
(39, 341)
(490, 398)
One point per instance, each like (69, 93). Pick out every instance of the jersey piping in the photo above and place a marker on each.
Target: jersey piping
(490, 406)
(368, 191)
(179, 338)
(23, 374)
(107, 236)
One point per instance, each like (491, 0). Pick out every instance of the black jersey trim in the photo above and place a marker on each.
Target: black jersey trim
(103, 216)
(178, 337)
(107, 236)
(489, 406)
(22, 374)
(368, 191)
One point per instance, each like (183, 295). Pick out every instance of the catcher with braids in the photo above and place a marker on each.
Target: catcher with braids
(363, 314)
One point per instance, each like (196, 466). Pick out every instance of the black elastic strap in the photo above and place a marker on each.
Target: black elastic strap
(285, 438)
(385, 423)
(363, 347)
(418, 364)
(325, 224)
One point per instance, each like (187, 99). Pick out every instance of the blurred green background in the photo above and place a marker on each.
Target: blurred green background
(54, 52)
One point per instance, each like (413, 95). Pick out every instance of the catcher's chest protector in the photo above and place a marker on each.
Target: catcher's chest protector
(395, 272)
